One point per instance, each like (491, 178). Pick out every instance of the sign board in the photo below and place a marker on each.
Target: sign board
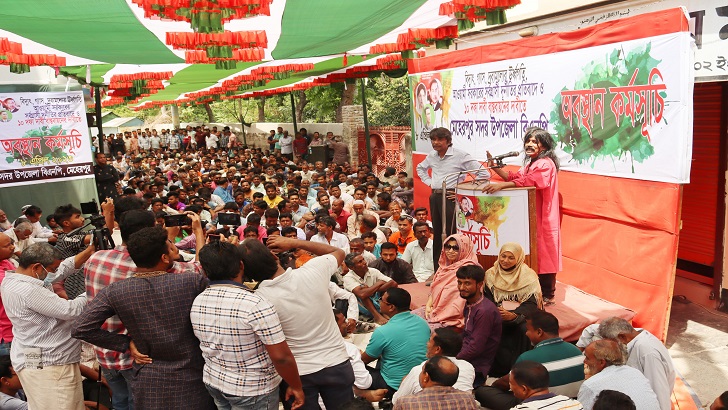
(615, 108)
(43, 137)
(490, 220)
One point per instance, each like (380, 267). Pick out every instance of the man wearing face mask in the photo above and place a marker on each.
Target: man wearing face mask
(43, 353)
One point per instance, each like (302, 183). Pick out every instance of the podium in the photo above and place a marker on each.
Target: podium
(318, 153)
(491, 220)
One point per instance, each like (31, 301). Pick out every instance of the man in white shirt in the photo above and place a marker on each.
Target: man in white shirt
(367, 284)
(646, 353)
(443, 342)
(328, 236)
(43, 353)
(303, 304)
(286, 142)
(353, 224)
(419, 252)
(211, 141)
(605, 369)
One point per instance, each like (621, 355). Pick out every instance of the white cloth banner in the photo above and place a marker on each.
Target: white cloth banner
(620, 109)
(43, 137)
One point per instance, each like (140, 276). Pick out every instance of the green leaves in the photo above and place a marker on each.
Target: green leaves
(611, 137)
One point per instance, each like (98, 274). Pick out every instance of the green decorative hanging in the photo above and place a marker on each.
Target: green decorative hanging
(443, 44)
(219, 52)
(16, 68)
(465, 24)
(495, 17)
(407, 54)
(225, 64)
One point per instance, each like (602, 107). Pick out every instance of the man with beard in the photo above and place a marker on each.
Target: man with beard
(392, 266)
(106, 178)
(605, 369)
(483, 323)
(354, 222)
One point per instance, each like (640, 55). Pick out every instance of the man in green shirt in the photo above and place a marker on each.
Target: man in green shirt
(563, 360)
(399, 345)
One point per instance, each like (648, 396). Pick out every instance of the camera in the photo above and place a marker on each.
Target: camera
(92, 208)
(101, 234)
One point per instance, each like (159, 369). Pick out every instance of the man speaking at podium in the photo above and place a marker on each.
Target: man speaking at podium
(445, 160)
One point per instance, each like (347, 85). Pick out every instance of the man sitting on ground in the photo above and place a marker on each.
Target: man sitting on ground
(529, 382)
(392, 266)
(605, 369)
(399, 345)
(645, 353)
(326, 234)
(483, 323)
(405, 235)
(446, 342)
(564, 361)
(419, 253)
(438, 376)
(367, 284)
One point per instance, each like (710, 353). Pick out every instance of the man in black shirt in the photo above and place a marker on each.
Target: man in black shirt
(106, 178)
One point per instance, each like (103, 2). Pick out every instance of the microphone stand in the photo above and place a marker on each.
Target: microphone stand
(498, 164)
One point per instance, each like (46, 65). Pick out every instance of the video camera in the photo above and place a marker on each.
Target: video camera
(101, 235)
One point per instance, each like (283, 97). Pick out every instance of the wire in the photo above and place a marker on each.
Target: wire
(684, 299)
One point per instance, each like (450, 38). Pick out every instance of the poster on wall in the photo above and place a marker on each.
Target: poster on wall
(491, 220)
(43, 137)
(621, 109)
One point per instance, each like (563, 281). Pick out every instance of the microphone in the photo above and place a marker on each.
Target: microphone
(506, 155)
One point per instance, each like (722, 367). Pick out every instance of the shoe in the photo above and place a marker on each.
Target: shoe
(548, 302)
(386, 404)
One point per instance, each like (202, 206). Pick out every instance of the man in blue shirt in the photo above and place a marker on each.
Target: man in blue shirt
(399, 345)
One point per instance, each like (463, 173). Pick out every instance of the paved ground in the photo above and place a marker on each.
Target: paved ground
(698, 342)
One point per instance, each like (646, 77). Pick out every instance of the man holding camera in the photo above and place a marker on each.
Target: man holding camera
(107, 267)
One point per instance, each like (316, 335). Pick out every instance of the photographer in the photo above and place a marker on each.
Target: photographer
(107, 267)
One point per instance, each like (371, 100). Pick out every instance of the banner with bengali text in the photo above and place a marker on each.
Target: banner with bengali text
(491, 220)
(620, 109)
(43, 137)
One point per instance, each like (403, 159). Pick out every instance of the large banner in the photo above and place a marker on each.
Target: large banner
(43, 137)
(618, 109)
(491, 220)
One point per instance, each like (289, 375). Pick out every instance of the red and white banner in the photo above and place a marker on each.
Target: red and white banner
(618, 101)
(43, 137)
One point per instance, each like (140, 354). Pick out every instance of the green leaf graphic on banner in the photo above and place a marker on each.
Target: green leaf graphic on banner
(599, 119)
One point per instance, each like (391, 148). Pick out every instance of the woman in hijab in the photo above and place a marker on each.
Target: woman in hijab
(517, 292)
(444, 305)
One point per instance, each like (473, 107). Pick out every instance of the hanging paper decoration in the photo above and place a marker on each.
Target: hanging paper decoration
(413, 39)
(130, 88)
(224, 62)
(11, 54)
(218, 45)
(468, 12)
(205, 16)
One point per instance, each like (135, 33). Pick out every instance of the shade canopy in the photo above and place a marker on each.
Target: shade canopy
(154, 52)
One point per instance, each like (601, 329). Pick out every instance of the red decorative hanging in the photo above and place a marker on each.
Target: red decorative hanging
(234, 39)
(467, 12)
(244, 54)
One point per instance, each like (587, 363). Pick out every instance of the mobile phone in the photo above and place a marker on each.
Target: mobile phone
(214, 237)
(177, 220)
(228, 218)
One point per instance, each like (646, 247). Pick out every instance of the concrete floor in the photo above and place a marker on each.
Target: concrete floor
(697, 339)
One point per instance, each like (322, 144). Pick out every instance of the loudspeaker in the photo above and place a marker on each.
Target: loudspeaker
(318, 153)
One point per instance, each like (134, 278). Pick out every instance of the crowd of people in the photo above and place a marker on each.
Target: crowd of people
(237, 275)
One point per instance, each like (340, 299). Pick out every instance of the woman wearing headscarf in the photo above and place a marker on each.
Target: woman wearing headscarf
(444, 305)
(510, 280)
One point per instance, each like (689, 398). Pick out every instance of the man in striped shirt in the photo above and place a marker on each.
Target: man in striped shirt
(563, 361)
(529, 382)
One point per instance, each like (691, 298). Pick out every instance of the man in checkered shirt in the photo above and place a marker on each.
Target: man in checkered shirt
(241, 337)
(109, 266)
